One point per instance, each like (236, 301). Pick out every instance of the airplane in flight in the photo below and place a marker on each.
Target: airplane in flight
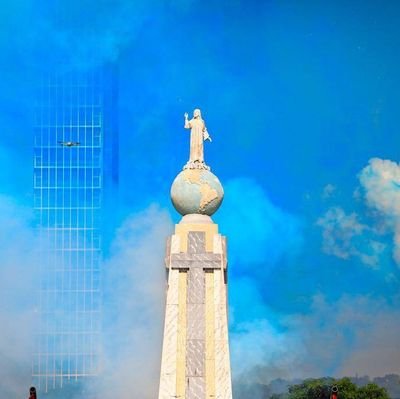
(69, 143)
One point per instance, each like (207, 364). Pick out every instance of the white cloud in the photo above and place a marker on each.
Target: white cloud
(328, 190)
(381, 182)
(344, 236)
(339, 229)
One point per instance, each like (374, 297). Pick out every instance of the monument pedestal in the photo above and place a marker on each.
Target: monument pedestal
(195, 357)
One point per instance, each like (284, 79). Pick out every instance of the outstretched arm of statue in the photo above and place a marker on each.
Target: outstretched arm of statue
(187, 123)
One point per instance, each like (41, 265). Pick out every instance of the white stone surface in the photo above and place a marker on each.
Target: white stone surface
(175, 244)
(172, 294)
(217, 244)
(168, 362)
(196, 218)
(224, 252)
(219, 287)
(222, 362)
(223, 384)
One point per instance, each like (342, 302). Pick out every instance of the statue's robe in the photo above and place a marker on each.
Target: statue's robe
(197, 127)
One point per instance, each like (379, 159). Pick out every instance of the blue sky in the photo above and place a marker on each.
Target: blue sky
(302, 101)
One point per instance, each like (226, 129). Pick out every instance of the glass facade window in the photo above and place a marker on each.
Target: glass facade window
(74, 113)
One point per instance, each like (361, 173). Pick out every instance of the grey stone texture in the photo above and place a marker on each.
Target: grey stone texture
(196, 282)
(195, 358)
(196, 388)
(196, 257)
(196, 242)
(196, 328)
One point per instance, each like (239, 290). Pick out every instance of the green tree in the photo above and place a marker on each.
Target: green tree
(347, 389)
(321, 389)
(278, 396)
(311, 389)
(372, 391)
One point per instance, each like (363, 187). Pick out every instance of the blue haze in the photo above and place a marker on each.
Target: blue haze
(298, 97)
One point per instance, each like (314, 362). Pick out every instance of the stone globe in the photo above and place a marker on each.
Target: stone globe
(196, 191)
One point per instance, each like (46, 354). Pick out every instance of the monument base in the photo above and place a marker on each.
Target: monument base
(195, 357)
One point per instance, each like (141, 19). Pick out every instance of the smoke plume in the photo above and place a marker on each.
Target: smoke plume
(19, 279)
(134, 283)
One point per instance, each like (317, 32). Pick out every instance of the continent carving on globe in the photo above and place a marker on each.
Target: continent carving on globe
(208, 195)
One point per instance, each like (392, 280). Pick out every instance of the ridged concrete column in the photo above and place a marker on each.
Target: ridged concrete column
(195, 359)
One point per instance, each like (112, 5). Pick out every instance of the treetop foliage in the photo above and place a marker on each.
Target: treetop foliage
(321, 388)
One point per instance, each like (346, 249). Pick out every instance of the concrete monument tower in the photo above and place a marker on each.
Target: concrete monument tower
(195, 357)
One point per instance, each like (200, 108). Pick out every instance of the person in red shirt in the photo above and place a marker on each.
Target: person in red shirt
(32, 393)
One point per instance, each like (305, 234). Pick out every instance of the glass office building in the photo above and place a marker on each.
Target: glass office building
(75, 177)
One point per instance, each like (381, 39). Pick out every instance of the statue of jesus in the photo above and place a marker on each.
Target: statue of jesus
(198, 134)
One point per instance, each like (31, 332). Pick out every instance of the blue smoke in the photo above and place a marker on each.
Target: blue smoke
(259, 232)
(261, 237)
